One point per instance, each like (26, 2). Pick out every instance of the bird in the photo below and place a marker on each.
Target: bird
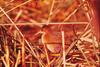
(52, 39)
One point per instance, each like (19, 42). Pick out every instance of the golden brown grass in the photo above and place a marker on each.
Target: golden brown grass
(24, 23)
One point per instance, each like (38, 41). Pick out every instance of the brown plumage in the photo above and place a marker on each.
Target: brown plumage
(52, 40)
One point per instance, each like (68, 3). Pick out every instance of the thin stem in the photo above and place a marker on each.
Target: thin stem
(23, 54)
(51, 11)
(63, 46)
(52, 23)
(45, 48)
(18, 59)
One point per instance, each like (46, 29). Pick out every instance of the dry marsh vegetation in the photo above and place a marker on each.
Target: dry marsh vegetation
(48, 33)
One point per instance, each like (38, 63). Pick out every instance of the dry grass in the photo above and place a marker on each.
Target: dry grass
(47, 33)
